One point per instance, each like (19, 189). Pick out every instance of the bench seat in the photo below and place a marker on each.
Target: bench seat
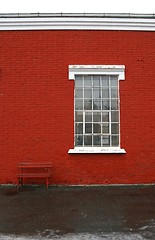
(34, 170)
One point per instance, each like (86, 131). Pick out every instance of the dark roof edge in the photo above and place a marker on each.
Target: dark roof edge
(83, 15)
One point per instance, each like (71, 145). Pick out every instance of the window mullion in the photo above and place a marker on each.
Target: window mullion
(93, 94)
(83, 110)
(118, 110)
(83, 122)
(110, 112)
(92, 83)
(101, 107)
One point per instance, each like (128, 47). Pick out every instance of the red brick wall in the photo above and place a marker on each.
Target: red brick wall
(37, 108)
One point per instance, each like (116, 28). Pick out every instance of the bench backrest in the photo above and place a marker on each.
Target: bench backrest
(35, 165)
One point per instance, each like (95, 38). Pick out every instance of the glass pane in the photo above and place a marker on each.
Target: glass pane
(96, 81)
(113, 81)
(87, 93)
(105, 104)
(78, 104)
(96, 93)
(78, 81)
(88, 128)
(97, 140)
(96, 128)
(96, 105)
(88, 116)
(114, 116)
(106, 140)
(114, 93)
(96, 117)
(105, 93)
(79, 116)
(79, 93)
(87, 81)
(105, 128)
(114, 128)
(88, 140)
(88, 104)
(78, 128)
(105, 116)
(114, 104)
(78, 140)
(115, 140)
(105, 81)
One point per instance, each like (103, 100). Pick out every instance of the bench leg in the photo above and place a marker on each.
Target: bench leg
(47, 182)
(20, 183)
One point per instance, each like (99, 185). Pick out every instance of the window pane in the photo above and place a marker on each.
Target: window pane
(96, 93)
(79, 128)
(88, 128)
(87, 92)
(113, 81)
(105, 116)
(78, 140)
(96, 81)
(78, 81)
(88, 116)
(115, 140)
(105, 128)
(96, 105)
(88, 104)
(114, 128)
(78, 104)
(105, 81)
(114, 116)
(79, 93)
(96, 117)
(87, 81)
(105, 93)
(114, 93)
(97, 140)
(106, 140)
(96, 110)
(105, 104)
(88, 140)
(96, 128)
(114, 104)
(79, 116)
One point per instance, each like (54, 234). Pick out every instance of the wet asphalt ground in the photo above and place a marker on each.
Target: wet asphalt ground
(73, 213)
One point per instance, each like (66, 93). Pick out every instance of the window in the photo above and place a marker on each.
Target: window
(96, 111)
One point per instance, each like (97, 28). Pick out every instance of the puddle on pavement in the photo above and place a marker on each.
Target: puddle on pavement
(144, 233)
(112, 236)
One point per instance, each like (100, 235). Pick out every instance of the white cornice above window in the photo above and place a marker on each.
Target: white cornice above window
(39, 22)
(97, 69)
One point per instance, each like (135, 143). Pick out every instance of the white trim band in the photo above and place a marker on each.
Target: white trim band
(96, 150)
(97, 69)
(77, 23)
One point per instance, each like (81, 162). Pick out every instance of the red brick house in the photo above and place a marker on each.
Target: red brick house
(78, 90)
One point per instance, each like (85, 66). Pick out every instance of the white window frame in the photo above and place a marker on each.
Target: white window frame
(118, 70)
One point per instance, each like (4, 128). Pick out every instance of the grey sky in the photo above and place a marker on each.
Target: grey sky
(78, 6)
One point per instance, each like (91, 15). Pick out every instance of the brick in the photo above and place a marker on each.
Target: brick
(37, 108)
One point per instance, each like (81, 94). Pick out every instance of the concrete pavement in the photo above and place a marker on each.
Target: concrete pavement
(101, 212)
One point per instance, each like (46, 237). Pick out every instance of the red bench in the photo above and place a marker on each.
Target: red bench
(34, 170)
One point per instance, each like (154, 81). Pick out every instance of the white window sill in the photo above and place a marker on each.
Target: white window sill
(96, 150)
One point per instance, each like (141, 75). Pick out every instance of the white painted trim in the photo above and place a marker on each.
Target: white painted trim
(77, 23)
(118, 70)
(97, 69)
(96, 150)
